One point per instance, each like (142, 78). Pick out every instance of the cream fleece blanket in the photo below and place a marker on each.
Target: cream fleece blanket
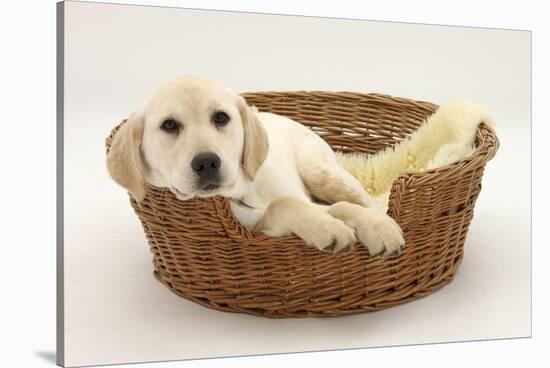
(444, 138)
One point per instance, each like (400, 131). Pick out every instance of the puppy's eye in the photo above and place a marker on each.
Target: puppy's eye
(169, 126)
(220, 118)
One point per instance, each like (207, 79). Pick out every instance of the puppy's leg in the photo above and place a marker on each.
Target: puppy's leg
(323, 177)
(290, 215)
(377, 231)
(329, 182)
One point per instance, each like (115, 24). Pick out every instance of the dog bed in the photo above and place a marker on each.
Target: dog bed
(203, 254)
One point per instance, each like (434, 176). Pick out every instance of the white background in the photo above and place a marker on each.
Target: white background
(29, 271)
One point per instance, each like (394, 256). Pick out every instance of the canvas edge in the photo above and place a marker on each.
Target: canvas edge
(60, 287)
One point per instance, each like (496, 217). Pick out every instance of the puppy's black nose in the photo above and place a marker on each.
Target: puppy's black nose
(206, 165)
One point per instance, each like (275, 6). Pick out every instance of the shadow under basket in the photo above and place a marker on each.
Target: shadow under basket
(202, 253)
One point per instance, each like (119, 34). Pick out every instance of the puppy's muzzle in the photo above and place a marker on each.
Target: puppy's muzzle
(206, 166)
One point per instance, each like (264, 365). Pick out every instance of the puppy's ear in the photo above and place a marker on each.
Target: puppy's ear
(124, 161)
(255, 140)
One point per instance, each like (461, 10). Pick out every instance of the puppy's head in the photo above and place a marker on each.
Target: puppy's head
(194, 136)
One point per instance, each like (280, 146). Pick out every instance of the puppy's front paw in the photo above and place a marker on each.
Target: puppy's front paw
(329, 235)
(379, 233)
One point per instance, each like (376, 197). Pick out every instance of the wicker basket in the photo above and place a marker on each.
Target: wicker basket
(202, 253)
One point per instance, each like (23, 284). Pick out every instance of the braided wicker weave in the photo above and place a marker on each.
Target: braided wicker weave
(202, 253)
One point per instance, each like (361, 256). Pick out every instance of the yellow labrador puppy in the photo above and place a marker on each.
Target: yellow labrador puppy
(199, 138)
